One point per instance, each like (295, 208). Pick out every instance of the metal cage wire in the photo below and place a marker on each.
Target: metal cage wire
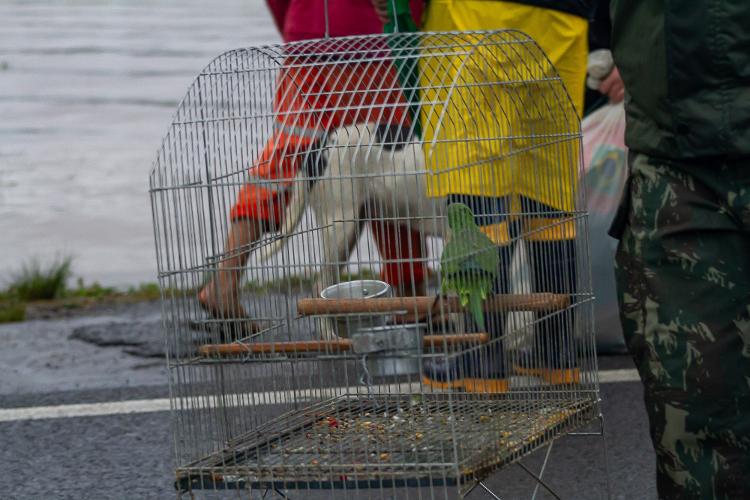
(340, 157)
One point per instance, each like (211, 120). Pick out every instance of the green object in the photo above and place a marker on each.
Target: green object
(402, 22)
(683, 279)
(690, 96)
(405, 50)
(469, 263)
(36, 281)
(11, 311)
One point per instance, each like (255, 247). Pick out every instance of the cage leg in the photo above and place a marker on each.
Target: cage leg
(541, 472)
(600, 433)
(489, 491)
(539, 480)
(276, 491)
(189, 493)
(606, 457)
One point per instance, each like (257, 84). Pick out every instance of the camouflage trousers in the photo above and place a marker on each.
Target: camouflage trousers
(683, 275)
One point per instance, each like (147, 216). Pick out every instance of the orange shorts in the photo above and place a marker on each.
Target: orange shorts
(309, 101)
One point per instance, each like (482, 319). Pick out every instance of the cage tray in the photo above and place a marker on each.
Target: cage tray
(388, 441)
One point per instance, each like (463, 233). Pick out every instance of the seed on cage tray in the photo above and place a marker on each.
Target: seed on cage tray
(484, 418)
(418, 436)
(314, 461)
(385, 457)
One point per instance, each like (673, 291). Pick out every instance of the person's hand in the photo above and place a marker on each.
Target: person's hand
(612, 86)
(381, 9)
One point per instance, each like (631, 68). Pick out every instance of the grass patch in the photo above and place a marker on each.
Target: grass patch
(34, 281)
(146, 291)
(39, 290)
(11, 311)
(92, 291)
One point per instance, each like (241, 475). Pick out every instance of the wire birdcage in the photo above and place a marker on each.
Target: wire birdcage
(303, 193)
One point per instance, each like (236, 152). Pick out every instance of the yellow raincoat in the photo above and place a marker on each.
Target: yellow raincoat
(518, 135)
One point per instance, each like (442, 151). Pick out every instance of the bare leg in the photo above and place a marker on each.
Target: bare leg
(220, 297)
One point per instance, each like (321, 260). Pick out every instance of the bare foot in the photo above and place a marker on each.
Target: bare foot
(223, 303)
(221, 300)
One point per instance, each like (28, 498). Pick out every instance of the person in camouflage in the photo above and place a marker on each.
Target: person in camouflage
(684, 280)
(683, 262)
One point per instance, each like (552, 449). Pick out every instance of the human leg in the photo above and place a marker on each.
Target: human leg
(220, 295)
(258, 207)
(553, 354)
(683, 275)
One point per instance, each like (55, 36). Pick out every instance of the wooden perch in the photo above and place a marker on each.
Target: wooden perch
(536, 302)
(326, 346)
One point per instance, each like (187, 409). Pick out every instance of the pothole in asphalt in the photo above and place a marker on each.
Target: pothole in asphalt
(142, 339)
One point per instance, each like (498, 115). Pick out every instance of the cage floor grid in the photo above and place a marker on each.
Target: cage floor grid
(388, 441)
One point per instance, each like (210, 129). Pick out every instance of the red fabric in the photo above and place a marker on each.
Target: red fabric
(278, 10)
(396, 243)
(305, 19)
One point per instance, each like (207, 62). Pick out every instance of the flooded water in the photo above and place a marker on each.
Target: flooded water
(87, 89)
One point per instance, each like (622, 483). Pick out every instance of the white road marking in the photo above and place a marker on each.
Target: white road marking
(271, 397)
(623, 375)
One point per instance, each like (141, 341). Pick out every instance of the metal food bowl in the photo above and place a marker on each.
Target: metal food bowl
(357, 289)
(390, 350)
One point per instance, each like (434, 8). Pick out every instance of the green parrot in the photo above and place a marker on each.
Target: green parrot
(469, 262)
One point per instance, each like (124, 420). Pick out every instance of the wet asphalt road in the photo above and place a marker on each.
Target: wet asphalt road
(46, 362)
(128, 456)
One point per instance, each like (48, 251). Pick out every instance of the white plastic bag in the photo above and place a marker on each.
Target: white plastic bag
(605, 173)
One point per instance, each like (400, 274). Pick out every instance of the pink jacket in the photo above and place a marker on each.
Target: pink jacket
(304, 19)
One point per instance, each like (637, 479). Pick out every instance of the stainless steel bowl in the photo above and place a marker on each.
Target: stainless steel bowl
(357, 289)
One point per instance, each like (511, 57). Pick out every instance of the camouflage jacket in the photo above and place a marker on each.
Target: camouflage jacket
(686, 67)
